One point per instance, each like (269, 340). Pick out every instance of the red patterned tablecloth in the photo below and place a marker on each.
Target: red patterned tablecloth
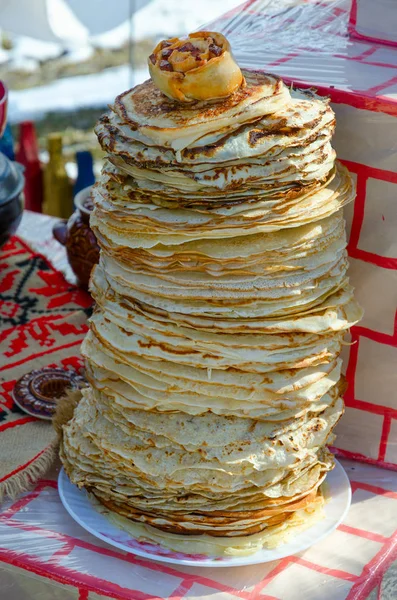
(43, 319)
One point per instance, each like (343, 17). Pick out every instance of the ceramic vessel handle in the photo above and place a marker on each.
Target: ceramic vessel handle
(59, 231)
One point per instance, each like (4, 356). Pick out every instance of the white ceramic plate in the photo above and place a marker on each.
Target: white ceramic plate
(82, 509)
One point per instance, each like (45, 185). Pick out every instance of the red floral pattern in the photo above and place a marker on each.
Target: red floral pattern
(43, 320)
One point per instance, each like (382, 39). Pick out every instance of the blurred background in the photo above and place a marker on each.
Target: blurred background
(63, 61)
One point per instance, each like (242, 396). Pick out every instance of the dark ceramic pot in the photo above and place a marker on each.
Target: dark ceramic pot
(12, 183)
(78, 238)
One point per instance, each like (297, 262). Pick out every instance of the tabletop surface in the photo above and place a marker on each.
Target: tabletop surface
(45, 554)
(40, 543)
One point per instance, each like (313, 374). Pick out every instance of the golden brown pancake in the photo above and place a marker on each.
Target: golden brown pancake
(222, 301)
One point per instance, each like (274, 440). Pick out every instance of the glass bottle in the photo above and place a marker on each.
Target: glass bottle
(58, 196)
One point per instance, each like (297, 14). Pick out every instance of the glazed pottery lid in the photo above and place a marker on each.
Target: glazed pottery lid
(38, 392)
(11, 179)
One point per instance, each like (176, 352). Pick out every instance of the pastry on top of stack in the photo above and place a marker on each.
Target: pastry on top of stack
(222, 301)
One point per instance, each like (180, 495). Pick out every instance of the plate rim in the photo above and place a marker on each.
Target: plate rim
(28, 411)
(210, 562)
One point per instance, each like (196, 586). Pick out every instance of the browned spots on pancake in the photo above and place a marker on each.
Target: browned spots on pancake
(167, 348)
(209, 150)
(316, 426)
(256, 135)
(150, 102)
(125, 305)
(216, 523)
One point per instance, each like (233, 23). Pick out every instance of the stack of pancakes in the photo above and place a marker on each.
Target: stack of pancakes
(222, 300)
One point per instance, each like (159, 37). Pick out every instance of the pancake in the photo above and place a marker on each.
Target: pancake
(154, 119)
(144, 226)
(217, 546)
(306, 121)
(262, 471)
(222, 299)
(138, 382)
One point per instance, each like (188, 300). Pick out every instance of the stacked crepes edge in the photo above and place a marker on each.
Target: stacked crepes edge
(222, 301)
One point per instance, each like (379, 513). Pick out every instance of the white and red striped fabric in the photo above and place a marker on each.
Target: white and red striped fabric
(44, 555)
(374, 21)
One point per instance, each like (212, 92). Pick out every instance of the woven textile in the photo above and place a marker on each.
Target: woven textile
(42, 323)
